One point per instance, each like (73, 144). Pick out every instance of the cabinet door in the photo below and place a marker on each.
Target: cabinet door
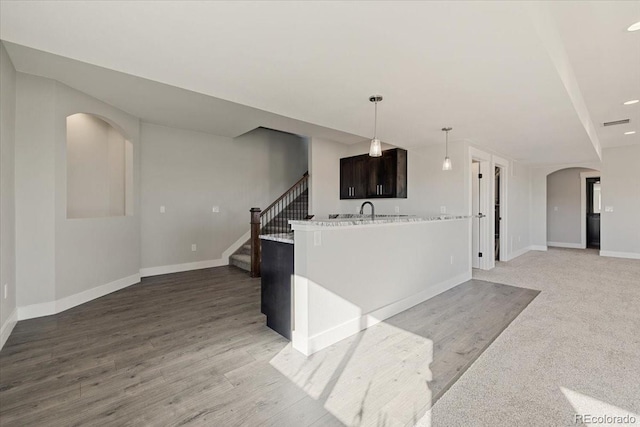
(346, 178)
(388, 174)
(360, 166)
(382, 175)
(373, 177)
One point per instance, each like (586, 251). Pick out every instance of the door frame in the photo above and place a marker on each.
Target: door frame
(583, 205)
(485, 233)
(503, 164)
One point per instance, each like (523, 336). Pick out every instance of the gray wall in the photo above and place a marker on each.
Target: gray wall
(189, 172)
(620, 229)
(59, 257)
(7, 195)
(564, 207)
(35, 190)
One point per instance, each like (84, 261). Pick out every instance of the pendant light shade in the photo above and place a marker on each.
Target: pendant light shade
(375, 149)
(446, 165)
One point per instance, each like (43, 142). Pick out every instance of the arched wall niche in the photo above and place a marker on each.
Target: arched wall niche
(99, 168)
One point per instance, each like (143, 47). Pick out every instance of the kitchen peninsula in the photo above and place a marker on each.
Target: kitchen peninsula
(351, 273)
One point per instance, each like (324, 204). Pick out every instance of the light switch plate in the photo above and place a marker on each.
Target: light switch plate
(216, 209)
(194, 247)
(397, 209)
(608, 208)
(162, 209)
(443, 209)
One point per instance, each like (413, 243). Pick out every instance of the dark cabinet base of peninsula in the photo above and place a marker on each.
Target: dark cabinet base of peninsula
(277, 280)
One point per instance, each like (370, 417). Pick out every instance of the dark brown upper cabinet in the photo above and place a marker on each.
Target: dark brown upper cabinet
(374, 177)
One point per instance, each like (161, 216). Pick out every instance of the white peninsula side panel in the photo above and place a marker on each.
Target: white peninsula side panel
(348, 278)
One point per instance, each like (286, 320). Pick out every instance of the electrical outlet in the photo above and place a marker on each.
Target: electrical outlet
(194, 248)
(6, 290)
(317, 238)
(608, 208)
(397, 209)
(216, 209)
(451, 259)
(162, 209)
(443, 209)
(555, 208)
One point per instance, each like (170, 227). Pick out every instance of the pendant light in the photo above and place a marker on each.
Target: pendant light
(446, 165)
(375, 149)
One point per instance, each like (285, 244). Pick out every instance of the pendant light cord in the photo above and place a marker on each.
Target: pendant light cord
(375, 120)
(447, 145)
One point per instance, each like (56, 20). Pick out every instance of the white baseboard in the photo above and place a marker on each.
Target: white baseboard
(324, 339)
(54, 307)
(235, 246)
(613, 254)
(565, 245)
(518, 253)
(7, 327)
(177, 268)
(537, 248)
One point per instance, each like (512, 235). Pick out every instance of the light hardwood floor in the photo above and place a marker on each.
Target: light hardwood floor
(192, 349)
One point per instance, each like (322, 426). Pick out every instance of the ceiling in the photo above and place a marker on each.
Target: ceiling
(532, 81)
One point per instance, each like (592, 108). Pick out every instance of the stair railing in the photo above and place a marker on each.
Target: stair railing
(275, 218)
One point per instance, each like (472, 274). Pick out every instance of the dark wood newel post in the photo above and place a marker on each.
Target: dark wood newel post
(255, 242)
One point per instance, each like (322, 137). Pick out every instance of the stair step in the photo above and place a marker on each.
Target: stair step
(243, 250)
(241, 261)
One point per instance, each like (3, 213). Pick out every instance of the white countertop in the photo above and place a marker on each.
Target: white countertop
(366, 220)
(279, 237)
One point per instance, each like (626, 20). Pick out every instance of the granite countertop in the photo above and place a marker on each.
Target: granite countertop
(280, 237)
(379, 219)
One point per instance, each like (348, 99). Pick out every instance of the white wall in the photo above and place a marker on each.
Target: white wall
(189, 172)
(95, 168)
(428, 186)
(376, 271)
(7, 195)
(518, 208)
(324, 176)
(620, 229)
(564, 207)
(61, 262)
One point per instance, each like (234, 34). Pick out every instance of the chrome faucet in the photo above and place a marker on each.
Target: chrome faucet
(373, 210)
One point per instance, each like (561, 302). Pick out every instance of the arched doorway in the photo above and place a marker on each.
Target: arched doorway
(573, 208)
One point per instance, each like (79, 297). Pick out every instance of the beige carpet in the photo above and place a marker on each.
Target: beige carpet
(574, 350)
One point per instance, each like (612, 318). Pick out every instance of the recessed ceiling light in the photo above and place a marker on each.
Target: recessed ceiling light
(633, 101)
(634, 27)
(630, 132)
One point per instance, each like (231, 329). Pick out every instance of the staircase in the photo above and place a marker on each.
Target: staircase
(292, 205)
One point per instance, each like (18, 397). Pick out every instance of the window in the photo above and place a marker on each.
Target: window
(99, 169)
